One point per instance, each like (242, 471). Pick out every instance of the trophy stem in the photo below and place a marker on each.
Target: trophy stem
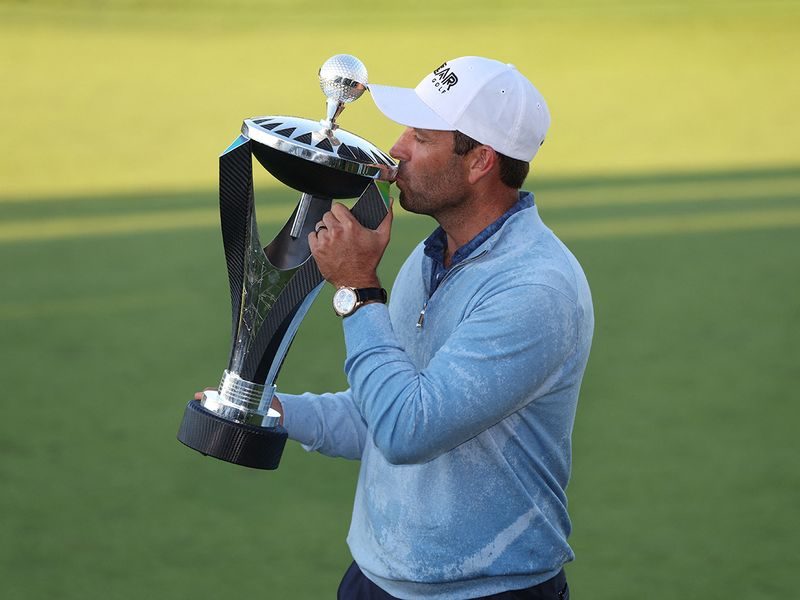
(289, 249)
(334, 108)
(300, 216)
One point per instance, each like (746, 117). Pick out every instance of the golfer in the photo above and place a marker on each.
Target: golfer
(463, 387)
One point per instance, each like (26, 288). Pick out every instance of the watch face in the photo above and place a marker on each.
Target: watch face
(344, 301)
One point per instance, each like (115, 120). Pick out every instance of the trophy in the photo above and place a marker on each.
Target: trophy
(273, 286)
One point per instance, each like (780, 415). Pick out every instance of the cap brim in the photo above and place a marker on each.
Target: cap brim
(403, 106)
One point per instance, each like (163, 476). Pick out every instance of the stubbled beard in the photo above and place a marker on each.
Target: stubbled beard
(406, 206)
(422, 203)
(432, 199)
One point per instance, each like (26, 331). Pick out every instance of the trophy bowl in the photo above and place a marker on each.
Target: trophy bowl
(313, 160)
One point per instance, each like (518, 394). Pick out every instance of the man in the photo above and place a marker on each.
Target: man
(463, 390)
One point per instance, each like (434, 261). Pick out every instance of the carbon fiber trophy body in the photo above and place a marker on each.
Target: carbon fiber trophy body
(273, 287)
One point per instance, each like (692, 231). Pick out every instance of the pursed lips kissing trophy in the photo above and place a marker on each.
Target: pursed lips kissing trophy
(273, 287)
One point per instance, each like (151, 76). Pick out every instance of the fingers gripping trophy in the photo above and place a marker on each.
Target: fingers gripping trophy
(273, 286)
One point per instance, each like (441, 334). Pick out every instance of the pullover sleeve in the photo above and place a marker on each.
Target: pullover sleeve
(508, 351)
(328, 423)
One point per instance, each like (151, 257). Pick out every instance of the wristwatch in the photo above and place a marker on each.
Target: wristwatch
(348, 300)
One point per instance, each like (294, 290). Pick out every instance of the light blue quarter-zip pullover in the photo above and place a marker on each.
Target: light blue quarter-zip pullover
(462, 418)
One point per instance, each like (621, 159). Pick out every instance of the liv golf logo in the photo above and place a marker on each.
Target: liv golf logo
(443, 78)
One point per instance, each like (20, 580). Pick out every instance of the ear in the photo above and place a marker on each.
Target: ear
(482, 161)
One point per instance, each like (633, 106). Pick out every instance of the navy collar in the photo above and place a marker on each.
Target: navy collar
(436, 243)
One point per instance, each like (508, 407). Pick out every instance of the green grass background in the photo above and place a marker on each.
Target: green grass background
(672, 170)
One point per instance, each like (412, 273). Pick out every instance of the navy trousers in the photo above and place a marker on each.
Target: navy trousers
(355, 586)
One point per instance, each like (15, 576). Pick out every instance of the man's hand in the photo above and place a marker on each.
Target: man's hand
(346, 252)
(276, 405)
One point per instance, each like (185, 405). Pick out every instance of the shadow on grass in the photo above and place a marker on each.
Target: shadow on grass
(655, 180)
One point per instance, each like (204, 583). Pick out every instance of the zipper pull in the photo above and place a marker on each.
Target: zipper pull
(421, 320)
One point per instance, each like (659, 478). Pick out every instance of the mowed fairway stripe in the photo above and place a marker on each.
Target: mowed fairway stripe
(647, 197)
(107, 305)
(694, 222)
(79, 227)
(678, 224)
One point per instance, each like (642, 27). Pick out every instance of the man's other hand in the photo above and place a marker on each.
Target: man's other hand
(276, 404)
(346, 252)
(199, 395)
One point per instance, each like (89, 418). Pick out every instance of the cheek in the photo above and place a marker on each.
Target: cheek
(428, 166)
(433, 161)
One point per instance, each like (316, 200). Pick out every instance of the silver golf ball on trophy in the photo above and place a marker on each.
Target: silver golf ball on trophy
(273, 286)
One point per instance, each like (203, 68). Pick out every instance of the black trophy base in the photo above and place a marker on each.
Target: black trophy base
(246, 445)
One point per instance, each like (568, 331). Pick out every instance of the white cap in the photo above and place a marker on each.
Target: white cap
(487, 100)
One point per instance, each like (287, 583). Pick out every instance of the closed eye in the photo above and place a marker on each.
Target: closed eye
(419, 138)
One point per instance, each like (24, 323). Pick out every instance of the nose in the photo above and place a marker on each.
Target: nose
(400, 150)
